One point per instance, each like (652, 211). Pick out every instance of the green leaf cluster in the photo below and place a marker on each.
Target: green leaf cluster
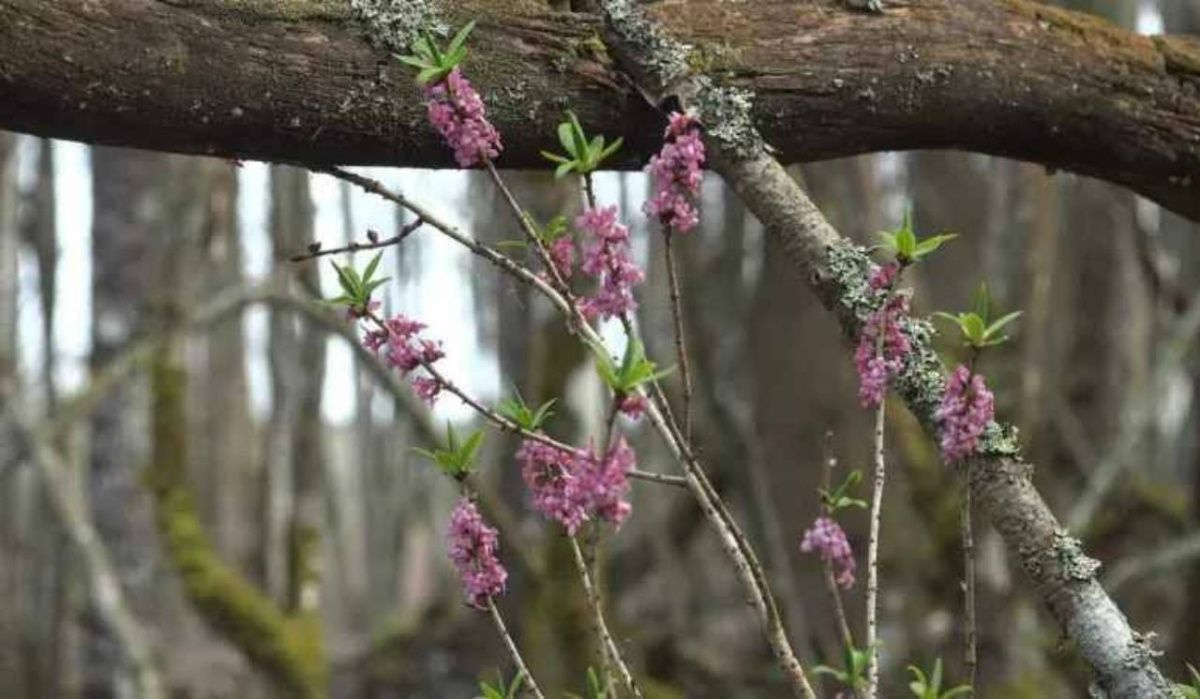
(582, 155)
(1190, 691)
(977, 328)
(930, 687)
(906, 247)
(840, 498)
(854, 676)
(433, 62)
(633, 371)
(596, 689)
(499, 690)
(458, 457)
(357, 288)
(528, 418)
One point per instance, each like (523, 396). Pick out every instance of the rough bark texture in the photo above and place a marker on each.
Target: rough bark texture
(1121, 660)
(295, 80)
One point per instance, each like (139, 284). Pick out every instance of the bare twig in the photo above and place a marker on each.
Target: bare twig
(610, 650)
(513, 651)
(685, 376)
(373, 243)
(873, 554)
(970, 652)
(677, 481)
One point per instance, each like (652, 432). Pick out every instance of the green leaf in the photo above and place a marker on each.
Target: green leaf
(960, 689)
(372, 266)
(566, 138)
(429, 75)
(1000, 323)
(460, 39)
(554, 157)
(414, 61)
(981, 301)
(932, 243)
(612, 148)
(578, 137)
(594, 149)
(972, 326)
(471, 449)
(935, 680)
(565, 169)
(906, 243)
(432, 44)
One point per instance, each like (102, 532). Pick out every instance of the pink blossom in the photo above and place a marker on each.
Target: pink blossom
(562, 255)
(457, 113)
(551, 475)
(427, 388)
(879, 361)
(827, 538)
(967, 408)
(632, 405)
(605, 484)
(606, 256)
(473, 546)
(676, 175)
(402, 347)
(573, 487)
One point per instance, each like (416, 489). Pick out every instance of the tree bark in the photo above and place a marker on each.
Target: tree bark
(1064, 577)
(298, 81)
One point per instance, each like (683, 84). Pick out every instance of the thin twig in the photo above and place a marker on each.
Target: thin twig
(873, 554)
(685, 376)
(665, 479)
(611, 651)
(970, 653)
(373, 243)
(513, 651)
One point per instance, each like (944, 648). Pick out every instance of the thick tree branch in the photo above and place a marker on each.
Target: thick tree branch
(1121, 661)
(296, 80)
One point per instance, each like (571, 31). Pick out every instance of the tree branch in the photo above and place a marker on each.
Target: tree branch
(298, 81)
(837, 270)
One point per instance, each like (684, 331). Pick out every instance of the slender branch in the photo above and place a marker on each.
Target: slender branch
(513, 651)
(373, 243)
(676, 481)
(970, 652)
(530, 232)
(611, 651)
(685, 374)
(873, 553)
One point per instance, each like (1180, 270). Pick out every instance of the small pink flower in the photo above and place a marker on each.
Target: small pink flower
(632, 405)
(457, 113)
(552, 478)
(967, 408)
(827, 538)
(427, 389)
(472, 546)
(607, 257)
(676, 175)
(400, 343)
(605, 484)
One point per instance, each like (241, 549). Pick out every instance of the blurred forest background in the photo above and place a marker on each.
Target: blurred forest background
(259, 453)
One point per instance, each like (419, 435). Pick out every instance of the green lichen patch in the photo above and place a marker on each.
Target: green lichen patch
(660, 58)
(727, 116)
(394, 24)
(1073, 563)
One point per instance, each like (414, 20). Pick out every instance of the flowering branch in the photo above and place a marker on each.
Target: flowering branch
(373, 243)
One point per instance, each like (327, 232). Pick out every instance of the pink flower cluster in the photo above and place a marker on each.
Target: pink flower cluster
(457, 112)
(827, 538)
(967, 408)
(572, 487)
(403, 348)
(607, 257)
(877, 362)
(676, 175)
(473, 546)
(562, 255)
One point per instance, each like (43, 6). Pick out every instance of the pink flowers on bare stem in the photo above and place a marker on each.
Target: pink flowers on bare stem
(562, 255)
(573, 487)
(403, 348)
(607, 257)
(473, 546)
(457, 113)
(826, 538)
(967, 408)
(632, 405)
(676, 175)
(882, 347)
